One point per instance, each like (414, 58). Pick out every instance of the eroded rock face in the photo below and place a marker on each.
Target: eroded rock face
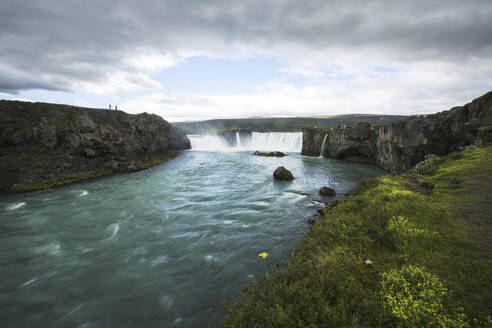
(312, 140)
(281, 173)
(401, 145)
(42, 143)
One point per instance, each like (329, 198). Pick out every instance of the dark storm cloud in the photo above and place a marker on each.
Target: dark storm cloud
(57, 44)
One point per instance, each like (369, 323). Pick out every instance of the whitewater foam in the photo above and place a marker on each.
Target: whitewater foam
(323, 145)
(116, 228)
(261, 141)
(15, 206)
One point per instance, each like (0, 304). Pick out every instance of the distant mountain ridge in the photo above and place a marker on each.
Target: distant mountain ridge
(285, 124)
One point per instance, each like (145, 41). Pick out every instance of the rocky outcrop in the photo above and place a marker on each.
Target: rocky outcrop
(326, 191)
(45, 145)
(401, 145)
(281, 173)
(312, 139)
(269, 154)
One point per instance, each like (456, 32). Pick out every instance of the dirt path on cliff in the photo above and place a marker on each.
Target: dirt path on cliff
(478, 213)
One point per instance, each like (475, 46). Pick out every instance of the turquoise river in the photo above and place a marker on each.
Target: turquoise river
(161, 247)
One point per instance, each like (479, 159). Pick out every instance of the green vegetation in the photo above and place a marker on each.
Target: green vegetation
(52, 183)
(401, 251)
(283, 124)
(232, 130)
(144, 164)
(47, 184)
(485, 134)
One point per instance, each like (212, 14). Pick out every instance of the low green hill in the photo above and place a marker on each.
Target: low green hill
(284, 124)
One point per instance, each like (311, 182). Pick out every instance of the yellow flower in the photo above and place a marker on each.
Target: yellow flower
(264, 254)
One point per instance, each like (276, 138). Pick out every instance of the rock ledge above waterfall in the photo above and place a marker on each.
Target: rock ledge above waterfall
(46, 145)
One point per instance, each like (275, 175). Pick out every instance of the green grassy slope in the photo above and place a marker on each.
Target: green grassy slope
(428, 236)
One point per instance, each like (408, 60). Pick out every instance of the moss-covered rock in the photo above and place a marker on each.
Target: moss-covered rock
(269, 154)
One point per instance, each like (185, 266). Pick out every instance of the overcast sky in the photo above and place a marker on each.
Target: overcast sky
(197, 59)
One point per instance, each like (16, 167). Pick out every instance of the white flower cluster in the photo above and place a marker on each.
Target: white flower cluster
(427, 162)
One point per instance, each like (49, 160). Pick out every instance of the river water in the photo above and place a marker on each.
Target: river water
(161, 247)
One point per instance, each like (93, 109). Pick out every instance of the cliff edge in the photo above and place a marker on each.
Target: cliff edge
(401, 145)
(46, 145)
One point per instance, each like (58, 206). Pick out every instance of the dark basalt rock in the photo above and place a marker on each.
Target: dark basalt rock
(401, 145)
(281, 173)
(50, 145)
(325, 191)
(269, 154)
(312, 220)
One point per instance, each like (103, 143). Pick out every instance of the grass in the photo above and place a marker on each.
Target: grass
(428, 237)
(47, 184)
(77, 177)
(283, 124)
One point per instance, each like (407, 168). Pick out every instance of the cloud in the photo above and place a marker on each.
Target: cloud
(425, 88)
(114, 47)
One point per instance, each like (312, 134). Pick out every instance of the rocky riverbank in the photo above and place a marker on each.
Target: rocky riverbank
(401, 145)
(45, 145)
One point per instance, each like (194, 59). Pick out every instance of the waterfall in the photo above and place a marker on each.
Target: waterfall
(238, 140)
(261, 141)
(281, 141)
(323, 145)
(207, 142)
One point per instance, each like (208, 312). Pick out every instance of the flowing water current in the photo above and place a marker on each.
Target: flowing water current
(161, 247)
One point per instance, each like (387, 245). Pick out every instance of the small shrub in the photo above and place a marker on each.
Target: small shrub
(416, 298)
(395, 194)
(405, 228)
(409, 238)
(485, 134)
(427, 165)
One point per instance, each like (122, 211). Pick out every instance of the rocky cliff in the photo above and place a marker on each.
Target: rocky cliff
(401, 145)
(45, 145)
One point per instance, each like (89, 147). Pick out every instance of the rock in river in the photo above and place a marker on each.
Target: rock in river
(269, 154)
(281, 173)
(325, 191)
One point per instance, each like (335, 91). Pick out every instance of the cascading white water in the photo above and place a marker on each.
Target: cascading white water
(238, 140)
(281, 141)
(323, 145)
(261, 141)
(207, 142)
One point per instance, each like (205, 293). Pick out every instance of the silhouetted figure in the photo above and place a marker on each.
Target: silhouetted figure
(115, 107)
(109, 106)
